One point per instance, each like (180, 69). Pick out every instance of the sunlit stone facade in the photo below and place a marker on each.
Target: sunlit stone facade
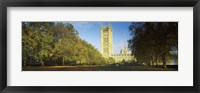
(123, 56)
(106, 41)
(107, 46)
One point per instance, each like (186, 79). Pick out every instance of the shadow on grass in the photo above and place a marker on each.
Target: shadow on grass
(113, 67)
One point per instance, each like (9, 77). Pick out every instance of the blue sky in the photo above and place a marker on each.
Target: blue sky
(90, 31)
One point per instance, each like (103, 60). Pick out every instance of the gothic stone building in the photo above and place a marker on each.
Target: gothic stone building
(106, 41)
(107, 46)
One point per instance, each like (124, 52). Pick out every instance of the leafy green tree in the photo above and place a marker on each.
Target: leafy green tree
(46, 43)
(36, 41)
(153, 41)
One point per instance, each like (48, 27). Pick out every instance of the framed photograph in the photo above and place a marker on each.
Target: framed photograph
(99, 46)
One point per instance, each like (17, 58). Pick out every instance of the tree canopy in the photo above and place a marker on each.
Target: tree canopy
(48, 43)
(152, 42)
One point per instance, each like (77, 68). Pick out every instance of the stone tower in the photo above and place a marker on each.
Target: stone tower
(106, 41)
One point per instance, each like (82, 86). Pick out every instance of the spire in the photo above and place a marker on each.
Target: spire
(101, 23)
(125, 49)
(109, 26)
(101, 26)
(121, 51)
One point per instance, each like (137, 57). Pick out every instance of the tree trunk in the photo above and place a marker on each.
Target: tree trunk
(149, 61)
(164, 60)
(24, 63)
(42, 63)
(152, 62)
(156, 60)
(63, 62)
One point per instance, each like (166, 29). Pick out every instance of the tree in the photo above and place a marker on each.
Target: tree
(152, 41)
(47, 43)
(36, 41)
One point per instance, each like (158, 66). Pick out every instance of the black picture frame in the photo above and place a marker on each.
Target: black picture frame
(98, 3)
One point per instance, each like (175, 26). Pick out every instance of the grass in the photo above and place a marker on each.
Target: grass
(97, 68)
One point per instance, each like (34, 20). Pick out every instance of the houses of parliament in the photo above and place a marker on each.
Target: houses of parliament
(106, 39)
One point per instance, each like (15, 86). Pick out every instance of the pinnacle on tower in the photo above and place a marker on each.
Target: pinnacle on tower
(109, 26)
(101, 26)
